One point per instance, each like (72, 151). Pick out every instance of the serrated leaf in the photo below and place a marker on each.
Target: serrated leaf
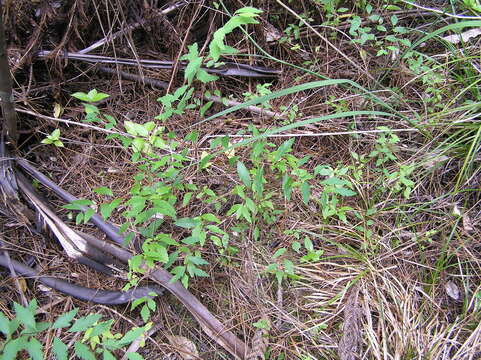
(65, 319)
(85, 322)
(131, 335)
(162, 254)
(35, 349)
(243, 174)
(107, 355)
(13, 347)
(101, 328)
(199, 272)
(59, 349)
(198, 260)
(25, 316)
(4, 325)
(83, 352)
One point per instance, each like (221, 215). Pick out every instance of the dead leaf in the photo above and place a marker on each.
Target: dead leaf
(452, 290)
(186, 348)
(467, 223)
(57, 110)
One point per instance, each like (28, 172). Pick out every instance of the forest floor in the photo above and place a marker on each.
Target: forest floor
(323, 201)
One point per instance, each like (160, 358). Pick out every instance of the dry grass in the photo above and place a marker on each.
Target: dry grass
(407, 286)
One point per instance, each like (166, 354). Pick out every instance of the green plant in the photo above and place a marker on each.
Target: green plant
(53, 138)
(335, 186)
(312, 254)
(283, 268)
(23, 331)
(92, 111)
(472, 5)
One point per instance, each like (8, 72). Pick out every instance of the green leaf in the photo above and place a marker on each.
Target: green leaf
(135, 129)
(204, 77)
(205, 161)
(131, 335)
(145, 313)
(83, 352)
(199, 272)
(103, 191)
(25, 316)
(65, 319)
(279, 252)
(334, 181)
(59, 349)
(4, 325)
(35, 349)
(285, 147)
(187, 223)
(178, 272)
(164, 208)
(287, 183)
(197, 260)
(243, 174)
(259, 182)
(296, 246)
(13, 347)
(186, 199)
(88, 214)
(85, 322)
(210, 217)
(94, 95)
(308, 244)
(305, 192)
(102, 327)
(162, 254)
(344, 191)
(107, 208)
(194, 64)
(107, 355)
(78, 204)
(134, 356)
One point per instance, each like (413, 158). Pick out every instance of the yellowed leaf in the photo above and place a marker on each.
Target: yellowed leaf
(57, 110)
(23, 284)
